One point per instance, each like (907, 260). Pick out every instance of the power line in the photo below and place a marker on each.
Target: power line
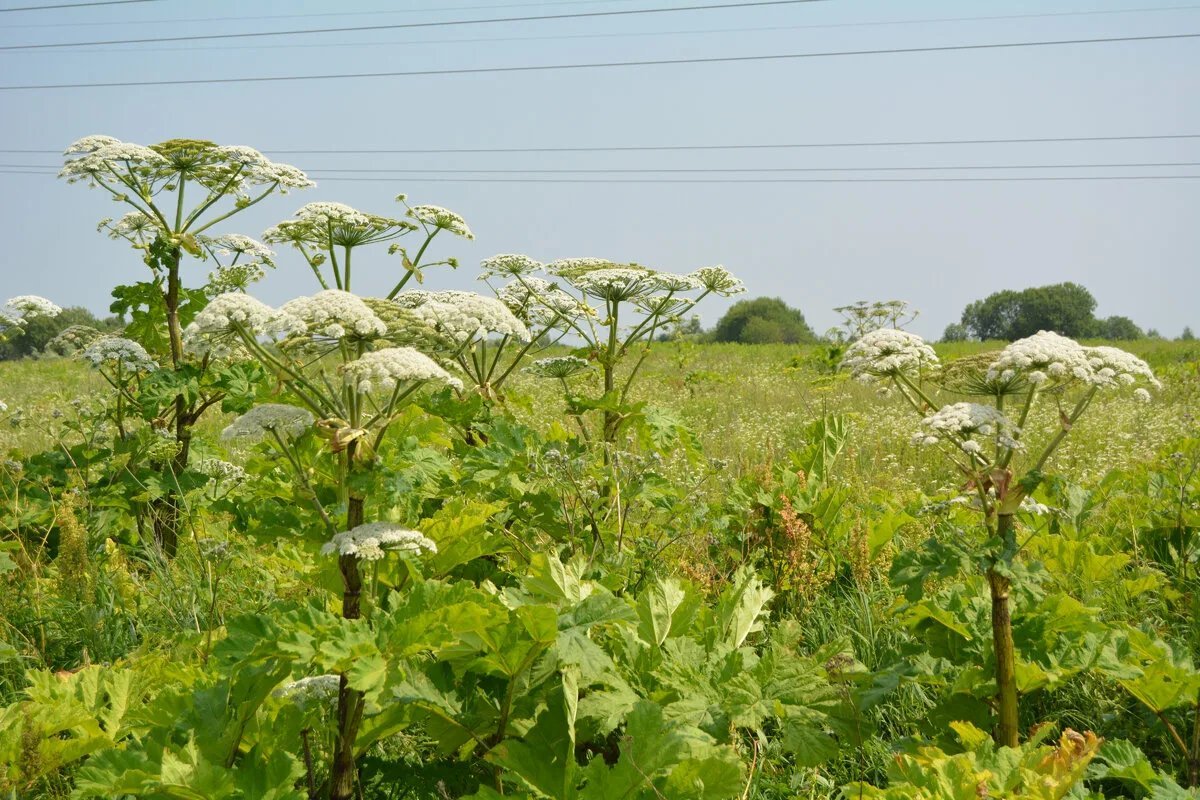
(393, 12)
(396, 26)
(614, 35)
(78, 5)
(603, 64)
(979, 179)
(655, 148)
(711, 170)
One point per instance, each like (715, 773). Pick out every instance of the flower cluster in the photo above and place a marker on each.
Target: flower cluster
(392, 366)
(615, 284)
(318, 690)
(335, 314)
(539, 302)
(571, 267)
(255, 168)
(509, 265)
(464, 316)
(560, 367)
(24, 307)
(216, 330)
(671, 282)
(888, 352)
(73, 339)
(239, 246)
(368, 542)
(442, 219)
(718, 280)
(1043, 357)
(283, 420)
(220, 471)
(234, 278)
(102, 156)
(122, 354)
(325, 225)
(958, 422)
(134, 226)
(1112, 366)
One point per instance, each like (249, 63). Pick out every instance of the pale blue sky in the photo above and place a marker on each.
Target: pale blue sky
(938, 245)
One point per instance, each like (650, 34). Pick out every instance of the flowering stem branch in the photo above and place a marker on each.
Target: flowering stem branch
(1065, 428)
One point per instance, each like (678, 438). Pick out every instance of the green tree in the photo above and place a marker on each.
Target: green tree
(1065, 308)
(1187, 335)
(34, 335)
(956, 332)
(763, 320)
(1118, 329)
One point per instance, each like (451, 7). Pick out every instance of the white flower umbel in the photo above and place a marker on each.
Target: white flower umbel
(671, 282)
(255, 168)
(316, 690)
(24, 307)
(286, 421)
(388, 368)
(108, 161)
(336, 314)
(559, 367)
(508, 265)
(959, 422)
(238, 246)
(332, 214)
(1112, 366)
(234, 277)
(220, 471)
(134, 226)
(615, 284)
(90, 144)
(539, 302)
(1040, 358)
(442, 219)
(124, 354)
(719, 280)
(73, 340)
(888, 352)
(464, 316)
(370, 542)
(235, 309)
(569, 267)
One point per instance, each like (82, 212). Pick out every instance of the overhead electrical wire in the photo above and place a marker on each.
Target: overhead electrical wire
(604, 64)
(77, 5)
(405, 25)
(756, 146)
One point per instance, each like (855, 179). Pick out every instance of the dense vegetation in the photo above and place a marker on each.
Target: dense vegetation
(1065, 308)
(763, 320)
(446, 544)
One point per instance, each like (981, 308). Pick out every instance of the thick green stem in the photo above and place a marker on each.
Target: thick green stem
(1007, 725)
(350, 701)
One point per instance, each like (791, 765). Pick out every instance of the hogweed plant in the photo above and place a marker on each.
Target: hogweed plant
(17, 311)
(335, 357)
(991, 446)
(615, 310)
(178, 190)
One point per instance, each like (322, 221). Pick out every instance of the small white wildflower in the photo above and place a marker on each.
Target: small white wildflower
(888, 352)
(124, 354)
(370, 541)
(285, 420)
(441, 218)
(385, 369)
(1142, 395)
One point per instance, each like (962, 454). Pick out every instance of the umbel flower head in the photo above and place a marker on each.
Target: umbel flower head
(220, 471)
(287, 421)
(135, 227)
(216, 329)
(508, 265)
(315, 690)
(888, 352)
(324, 225)
(538, 302)
(370, 541)
(1043, 357)
(1114, 367)
(105, 160)
(959, 422)
(439, 218)
(388, 368)
(24, 307)
(73, 340)
(464, 316)
(559, 367)
(238, 247)
(719, 280)
(335, 314)
(615, 284)
(119, 353)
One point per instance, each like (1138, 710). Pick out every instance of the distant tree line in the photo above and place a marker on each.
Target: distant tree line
(1065, 308)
